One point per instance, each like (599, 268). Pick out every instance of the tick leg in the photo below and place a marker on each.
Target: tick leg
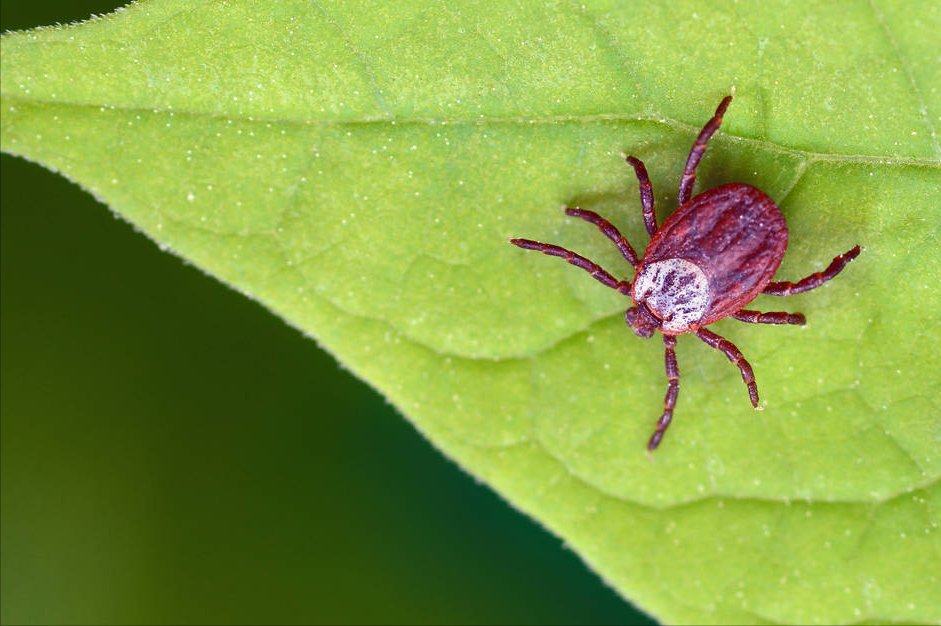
(579, 261)
(814, 280)
(699, 147)
(610, 232)
(735, 356)
(646, 194)
(757, 317)
(669, 402)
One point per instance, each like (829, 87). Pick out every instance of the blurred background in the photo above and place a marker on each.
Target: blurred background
(172, 452)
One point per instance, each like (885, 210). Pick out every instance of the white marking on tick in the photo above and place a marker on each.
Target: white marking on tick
(675, 290)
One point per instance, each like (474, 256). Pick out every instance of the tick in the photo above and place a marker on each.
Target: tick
(713, 256)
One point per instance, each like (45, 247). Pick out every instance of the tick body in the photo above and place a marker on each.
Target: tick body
(714, 255)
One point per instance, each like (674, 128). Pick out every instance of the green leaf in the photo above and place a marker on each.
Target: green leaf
(359, 169)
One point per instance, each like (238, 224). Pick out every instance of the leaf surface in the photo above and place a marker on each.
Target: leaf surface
(359, 167)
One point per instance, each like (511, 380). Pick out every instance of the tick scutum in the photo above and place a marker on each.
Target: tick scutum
(675, 290)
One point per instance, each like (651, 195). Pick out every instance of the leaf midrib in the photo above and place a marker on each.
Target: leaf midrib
(690, 129)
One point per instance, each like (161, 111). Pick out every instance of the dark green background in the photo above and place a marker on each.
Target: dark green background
(172, 452)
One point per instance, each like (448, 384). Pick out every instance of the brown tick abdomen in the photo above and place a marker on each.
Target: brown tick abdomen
(735, 234)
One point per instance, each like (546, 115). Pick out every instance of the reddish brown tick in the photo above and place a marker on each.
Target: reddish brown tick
(713, 256)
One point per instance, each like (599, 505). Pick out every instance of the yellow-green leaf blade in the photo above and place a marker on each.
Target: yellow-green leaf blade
(359, 170)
